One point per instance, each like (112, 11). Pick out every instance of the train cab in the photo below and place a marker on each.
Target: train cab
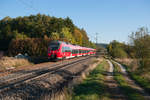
(54, 50)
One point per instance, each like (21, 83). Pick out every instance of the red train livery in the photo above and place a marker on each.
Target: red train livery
(61, 50)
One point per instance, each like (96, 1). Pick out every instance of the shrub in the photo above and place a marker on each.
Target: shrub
(119, 53)
(31, 46)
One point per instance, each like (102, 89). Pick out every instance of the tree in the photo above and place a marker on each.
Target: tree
(66, 34)
(54, 36)
(117, 50)
(140, 40)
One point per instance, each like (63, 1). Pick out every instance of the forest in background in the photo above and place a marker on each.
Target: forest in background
(32, 34)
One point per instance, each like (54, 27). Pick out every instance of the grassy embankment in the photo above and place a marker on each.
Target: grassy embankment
(131, 93)
(142, 81)
(140, 77)
(93, 87)
(11, 63)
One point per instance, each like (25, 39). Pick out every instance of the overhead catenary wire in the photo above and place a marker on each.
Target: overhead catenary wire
(28, 5)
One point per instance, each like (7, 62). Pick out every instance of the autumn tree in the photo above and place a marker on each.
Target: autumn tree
(140, 40)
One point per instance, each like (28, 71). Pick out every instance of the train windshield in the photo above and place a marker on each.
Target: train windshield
(54, 46)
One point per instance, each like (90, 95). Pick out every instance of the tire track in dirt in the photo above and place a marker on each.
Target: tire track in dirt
(113, 88)
(132, 83)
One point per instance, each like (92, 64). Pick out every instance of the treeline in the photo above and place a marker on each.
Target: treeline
(16, 34)
(138, 48)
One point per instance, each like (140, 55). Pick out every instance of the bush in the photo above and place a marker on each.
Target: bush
(117, 49)
(145, 64)
(31, 46)
(119, 53)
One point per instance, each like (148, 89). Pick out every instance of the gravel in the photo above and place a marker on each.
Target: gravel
(47, 86)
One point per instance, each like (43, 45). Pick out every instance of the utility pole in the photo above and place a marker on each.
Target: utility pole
(96, 38)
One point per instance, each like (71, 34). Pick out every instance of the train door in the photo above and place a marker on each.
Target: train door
(63, 52)
(66, 52)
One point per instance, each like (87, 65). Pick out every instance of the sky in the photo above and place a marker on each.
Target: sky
(111, 19)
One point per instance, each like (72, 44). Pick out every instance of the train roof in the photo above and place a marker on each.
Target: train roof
(72, 45)
(56, 41)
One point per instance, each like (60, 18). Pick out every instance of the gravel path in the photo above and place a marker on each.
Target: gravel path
(132, 82)
(111, 69)
(113, 88)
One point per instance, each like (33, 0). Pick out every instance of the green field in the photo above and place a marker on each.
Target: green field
(93, 87)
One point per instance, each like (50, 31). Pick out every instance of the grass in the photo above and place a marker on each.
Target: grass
(138, 77)
(131, 93)
(142, 81)
(9, 62)
(93, 87)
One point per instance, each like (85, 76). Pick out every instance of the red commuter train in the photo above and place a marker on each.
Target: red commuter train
(63, 50)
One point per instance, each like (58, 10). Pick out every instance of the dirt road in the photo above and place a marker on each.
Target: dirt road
(113, 88)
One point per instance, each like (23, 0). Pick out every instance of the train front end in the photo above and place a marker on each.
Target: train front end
(54, 51)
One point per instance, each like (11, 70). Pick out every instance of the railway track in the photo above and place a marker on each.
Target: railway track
(16, 81)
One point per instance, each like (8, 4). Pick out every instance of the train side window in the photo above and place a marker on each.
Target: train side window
(80, 51)
(67, 49)
(77, 51)
(63, 49)
(73, 51)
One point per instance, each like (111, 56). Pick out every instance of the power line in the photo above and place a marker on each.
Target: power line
(91, 37)
(28, 5)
